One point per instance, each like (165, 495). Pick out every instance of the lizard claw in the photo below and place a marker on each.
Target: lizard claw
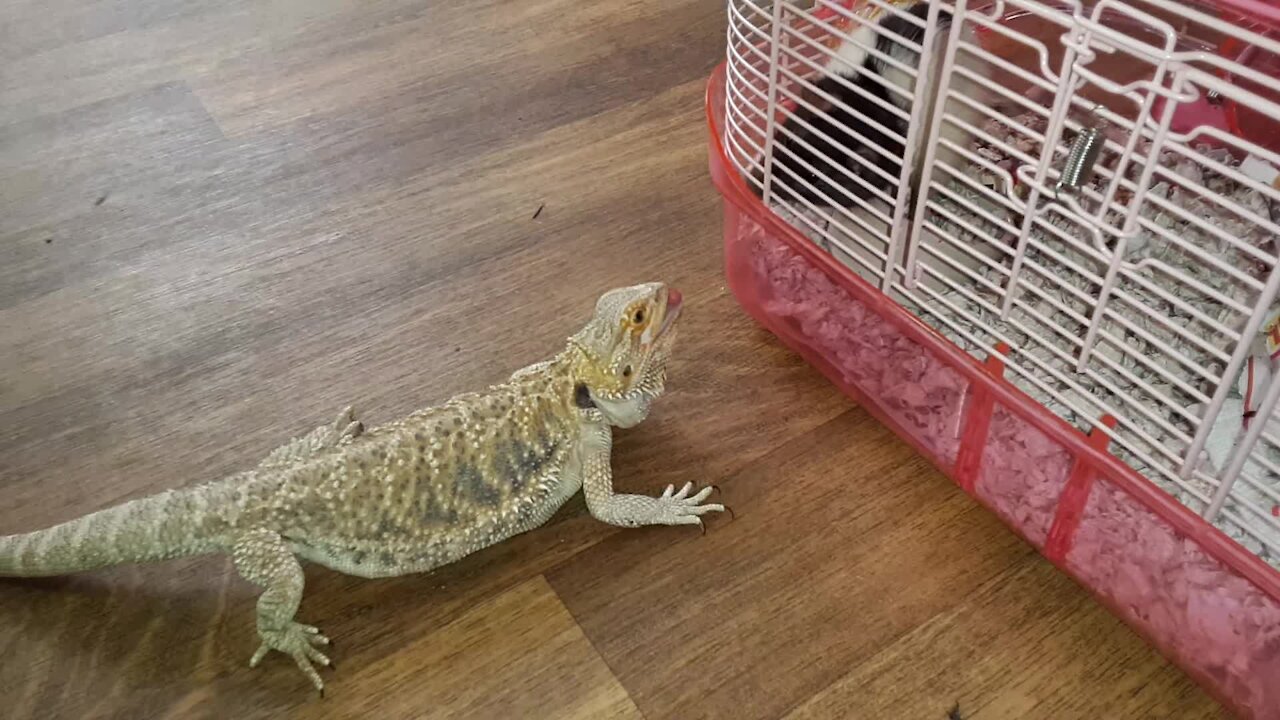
(718, 491)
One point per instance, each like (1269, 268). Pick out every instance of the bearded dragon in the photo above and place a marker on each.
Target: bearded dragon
(412, 495)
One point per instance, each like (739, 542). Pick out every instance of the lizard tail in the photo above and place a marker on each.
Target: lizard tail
(159, 527)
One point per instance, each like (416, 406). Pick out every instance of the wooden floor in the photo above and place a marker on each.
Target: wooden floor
(222, 221)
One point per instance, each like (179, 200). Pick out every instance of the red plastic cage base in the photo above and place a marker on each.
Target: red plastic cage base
(1200, 598)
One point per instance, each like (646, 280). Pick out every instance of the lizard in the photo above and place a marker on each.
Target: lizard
(411, 495)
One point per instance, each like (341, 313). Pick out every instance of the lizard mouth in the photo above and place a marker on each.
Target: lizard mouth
(675, 301)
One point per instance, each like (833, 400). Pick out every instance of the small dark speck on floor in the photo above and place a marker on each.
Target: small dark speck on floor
(538, 212)
(458, 349)
(48, 241)
(954, 713)
(101, 199)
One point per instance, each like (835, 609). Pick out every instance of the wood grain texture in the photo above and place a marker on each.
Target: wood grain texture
(221, 222)
(519, 654)
(1026, 644)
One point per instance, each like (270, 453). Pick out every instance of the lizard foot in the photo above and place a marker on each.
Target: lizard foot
(299, 642)
(679, 508)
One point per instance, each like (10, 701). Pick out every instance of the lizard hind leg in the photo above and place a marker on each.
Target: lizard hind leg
(263, 558)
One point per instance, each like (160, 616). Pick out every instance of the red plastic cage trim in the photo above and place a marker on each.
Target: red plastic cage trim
(1074, 497)
(977, 423)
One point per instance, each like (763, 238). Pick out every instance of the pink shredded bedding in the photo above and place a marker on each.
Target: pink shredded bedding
(914, 387)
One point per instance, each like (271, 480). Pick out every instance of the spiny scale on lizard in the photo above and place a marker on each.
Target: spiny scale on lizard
(411, 495)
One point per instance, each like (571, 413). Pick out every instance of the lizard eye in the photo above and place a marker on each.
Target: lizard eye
(639, 317)
(626, 371)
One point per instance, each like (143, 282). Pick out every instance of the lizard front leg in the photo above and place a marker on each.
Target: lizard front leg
(263, 558)
(671, 508)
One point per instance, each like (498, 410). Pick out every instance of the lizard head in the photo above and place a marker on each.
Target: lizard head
(625, 347)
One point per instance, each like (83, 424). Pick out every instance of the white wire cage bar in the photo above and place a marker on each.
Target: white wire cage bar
(1059, 192)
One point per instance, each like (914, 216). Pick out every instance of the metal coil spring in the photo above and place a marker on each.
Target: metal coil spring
(1080, 161)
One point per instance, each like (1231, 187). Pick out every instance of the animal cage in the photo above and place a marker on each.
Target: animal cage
(1039, 239)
